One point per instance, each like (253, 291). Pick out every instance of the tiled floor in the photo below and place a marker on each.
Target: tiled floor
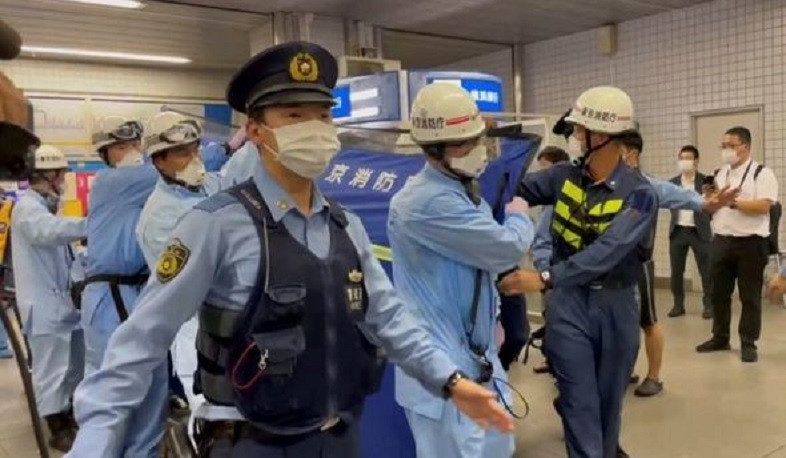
(713, 406)
(16, 433)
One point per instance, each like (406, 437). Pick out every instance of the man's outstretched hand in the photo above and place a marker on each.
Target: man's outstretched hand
(723, 198)
(481, 405)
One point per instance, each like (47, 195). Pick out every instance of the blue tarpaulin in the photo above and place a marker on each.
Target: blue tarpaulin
(364, 182)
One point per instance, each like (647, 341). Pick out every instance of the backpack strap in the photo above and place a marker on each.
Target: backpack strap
(758, 170)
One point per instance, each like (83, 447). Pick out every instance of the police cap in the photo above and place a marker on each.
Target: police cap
(294, 72)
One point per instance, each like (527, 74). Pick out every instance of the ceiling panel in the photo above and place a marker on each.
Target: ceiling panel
(210, 38)
(503, 21)
(425, 51)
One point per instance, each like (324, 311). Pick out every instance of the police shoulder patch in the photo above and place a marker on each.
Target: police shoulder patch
(172, 261)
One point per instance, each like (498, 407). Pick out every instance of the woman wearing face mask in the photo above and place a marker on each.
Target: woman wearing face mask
(173, 146)
(42, 259)
(448, 251)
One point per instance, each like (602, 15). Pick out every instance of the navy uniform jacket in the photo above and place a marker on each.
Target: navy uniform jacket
(613, 252)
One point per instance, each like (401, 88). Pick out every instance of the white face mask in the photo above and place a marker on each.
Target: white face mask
(574, 147)
(131, 159)
(193, 174)
(306, 148)
(473, 164)
(685, 165)
(729, 156)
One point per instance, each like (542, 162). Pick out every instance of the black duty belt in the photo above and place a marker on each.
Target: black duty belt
(115, 281)
(235, 431)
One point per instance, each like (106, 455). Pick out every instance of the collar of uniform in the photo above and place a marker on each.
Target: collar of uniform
(178, 190)
(433, 174)
(36, 195)
(611, 181)
(278, 201)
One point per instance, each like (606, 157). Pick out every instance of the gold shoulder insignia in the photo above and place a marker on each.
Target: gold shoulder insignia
(172, 261)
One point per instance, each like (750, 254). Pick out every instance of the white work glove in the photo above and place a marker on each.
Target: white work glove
(517, 206)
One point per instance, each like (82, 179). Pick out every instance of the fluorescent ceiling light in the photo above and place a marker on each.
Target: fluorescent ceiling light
(128, 4)
(105, 54)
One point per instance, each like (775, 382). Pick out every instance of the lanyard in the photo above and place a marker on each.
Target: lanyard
(744, 175)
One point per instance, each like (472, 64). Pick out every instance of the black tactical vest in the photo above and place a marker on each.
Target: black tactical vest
(295, 356)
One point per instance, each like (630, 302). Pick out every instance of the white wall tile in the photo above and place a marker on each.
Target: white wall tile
(720, 54)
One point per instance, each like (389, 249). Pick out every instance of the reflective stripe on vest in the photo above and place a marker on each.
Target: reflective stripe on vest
(578, 227)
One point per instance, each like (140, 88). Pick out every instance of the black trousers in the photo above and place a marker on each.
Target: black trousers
(742, 259)
(513, 317)
(646, 290)
(681, 239)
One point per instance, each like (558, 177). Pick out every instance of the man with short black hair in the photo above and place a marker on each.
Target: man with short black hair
(740, 249)
(673, 197)
(551, 155)
(689, 229)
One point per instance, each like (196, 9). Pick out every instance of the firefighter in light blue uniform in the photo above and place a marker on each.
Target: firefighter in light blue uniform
(603, 213)
(239, 167)
(42, 259)
(174, 149)
(304, 264)
(446, 244)
(116, 269)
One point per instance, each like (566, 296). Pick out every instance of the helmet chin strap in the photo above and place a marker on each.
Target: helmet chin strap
(586, 158)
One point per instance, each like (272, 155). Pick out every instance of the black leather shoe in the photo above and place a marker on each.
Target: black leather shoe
(676, 311)
(748, 353)
(621, 453)
(634, 379)
(61, 435)
(706, 314)
(714, 344)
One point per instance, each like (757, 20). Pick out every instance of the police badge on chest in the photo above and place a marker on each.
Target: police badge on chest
(354, 290)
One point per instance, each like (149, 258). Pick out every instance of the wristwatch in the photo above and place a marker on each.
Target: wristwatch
(545, 277)
(452, 381)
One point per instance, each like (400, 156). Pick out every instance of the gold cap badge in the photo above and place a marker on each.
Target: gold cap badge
(303, 67)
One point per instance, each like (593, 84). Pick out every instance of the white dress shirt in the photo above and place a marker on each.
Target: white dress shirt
(734, 223)
(685, 217)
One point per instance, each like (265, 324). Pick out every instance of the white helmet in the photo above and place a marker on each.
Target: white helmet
(48, 157)
(169, 129)
(115, 129)
(603, 109)
(444, 112)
